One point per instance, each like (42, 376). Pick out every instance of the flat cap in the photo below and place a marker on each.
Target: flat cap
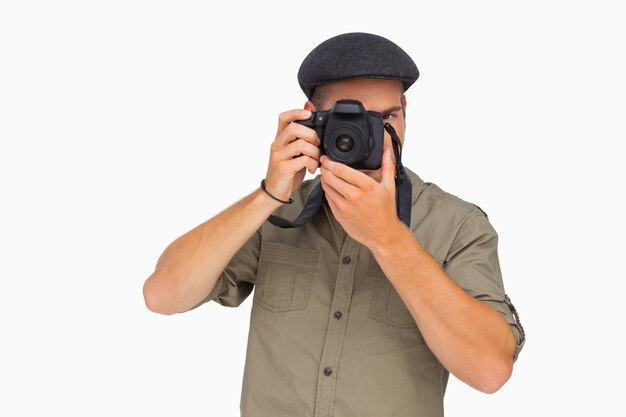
(355, 55)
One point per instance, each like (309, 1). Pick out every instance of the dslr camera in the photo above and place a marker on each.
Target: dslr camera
(349, 134)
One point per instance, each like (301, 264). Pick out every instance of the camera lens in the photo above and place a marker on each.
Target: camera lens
(344, 143)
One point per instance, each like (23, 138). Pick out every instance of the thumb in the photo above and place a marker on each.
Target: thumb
(388, 171)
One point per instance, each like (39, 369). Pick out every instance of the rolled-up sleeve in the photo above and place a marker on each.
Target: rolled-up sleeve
(472, 262)
(237, 280)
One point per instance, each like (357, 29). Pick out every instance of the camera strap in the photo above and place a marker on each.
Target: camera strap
(404, 189)
(316, 196)
(312, 205)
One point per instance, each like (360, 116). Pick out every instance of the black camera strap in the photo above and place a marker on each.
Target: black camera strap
(404, 189)
(312, 205)
(316, 196)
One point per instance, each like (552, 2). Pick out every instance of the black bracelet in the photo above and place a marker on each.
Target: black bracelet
(277, 199)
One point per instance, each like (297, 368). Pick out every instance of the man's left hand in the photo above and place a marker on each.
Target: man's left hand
(364, 207)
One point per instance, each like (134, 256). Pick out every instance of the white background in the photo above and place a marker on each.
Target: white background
(123, 124)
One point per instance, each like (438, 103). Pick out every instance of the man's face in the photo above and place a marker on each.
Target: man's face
(384, 96)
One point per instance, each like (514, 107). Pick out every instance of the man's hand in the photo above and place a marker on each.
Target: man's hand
(364, 207)
(294, 149)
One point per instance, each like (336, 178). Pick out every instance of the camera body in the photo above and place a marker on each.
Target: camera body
(349, 134)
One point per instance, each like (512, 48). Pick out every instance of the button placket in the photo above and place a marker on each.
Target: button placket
(335, 333)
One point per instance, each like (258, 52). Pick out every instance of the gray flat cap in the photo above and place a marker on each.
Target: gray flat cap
(355, 55)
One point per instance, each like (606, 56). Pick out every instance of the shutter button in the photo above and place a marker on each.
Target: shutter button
(346, 260)
(328, 371)
(338, 314)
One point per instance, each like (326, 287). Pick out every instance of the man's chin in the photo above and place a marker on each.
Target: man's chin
(372, 173)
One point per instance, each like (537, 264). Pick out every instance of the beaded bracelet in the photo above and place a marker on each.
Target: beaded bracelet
(275, 198)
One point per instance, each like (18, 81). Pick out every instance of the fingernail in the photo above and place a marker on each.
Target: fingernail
(306, 113)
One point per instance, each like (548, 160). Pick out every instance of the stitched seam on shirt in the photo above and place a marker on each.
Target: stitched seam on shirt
(464, 224)
(468, 222)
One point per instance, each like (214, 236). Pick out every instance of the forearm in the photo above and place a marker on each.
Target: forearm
(468, 337)
(190, 266)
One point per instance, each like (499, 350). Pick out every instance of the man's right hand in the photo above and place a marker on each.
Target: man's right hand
(294, 150)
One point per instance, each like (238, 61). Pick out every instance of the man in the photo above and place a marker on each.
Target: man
(354, 313)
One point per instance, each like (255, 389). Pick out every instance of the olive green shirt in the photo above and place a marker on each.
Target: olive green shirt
(329, 335)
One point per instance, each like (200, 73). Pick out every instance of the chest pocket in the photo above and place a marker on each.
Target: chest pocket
(284, 276)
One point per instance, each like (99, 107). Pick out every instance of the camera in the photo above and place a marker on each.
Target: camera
(349, 134)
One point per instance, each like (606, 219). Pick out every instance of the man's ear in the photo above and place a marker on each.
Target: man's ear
(309, 106)
(404, 109)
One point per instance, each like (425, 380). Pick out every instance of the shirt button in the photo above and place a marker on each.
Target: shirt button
(338, 314)
(328, 371)
(346, 260)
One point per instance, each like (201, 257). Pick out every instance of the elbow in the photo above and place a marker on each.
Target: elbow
(154, 299)
(495, 378)
(499, 368)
